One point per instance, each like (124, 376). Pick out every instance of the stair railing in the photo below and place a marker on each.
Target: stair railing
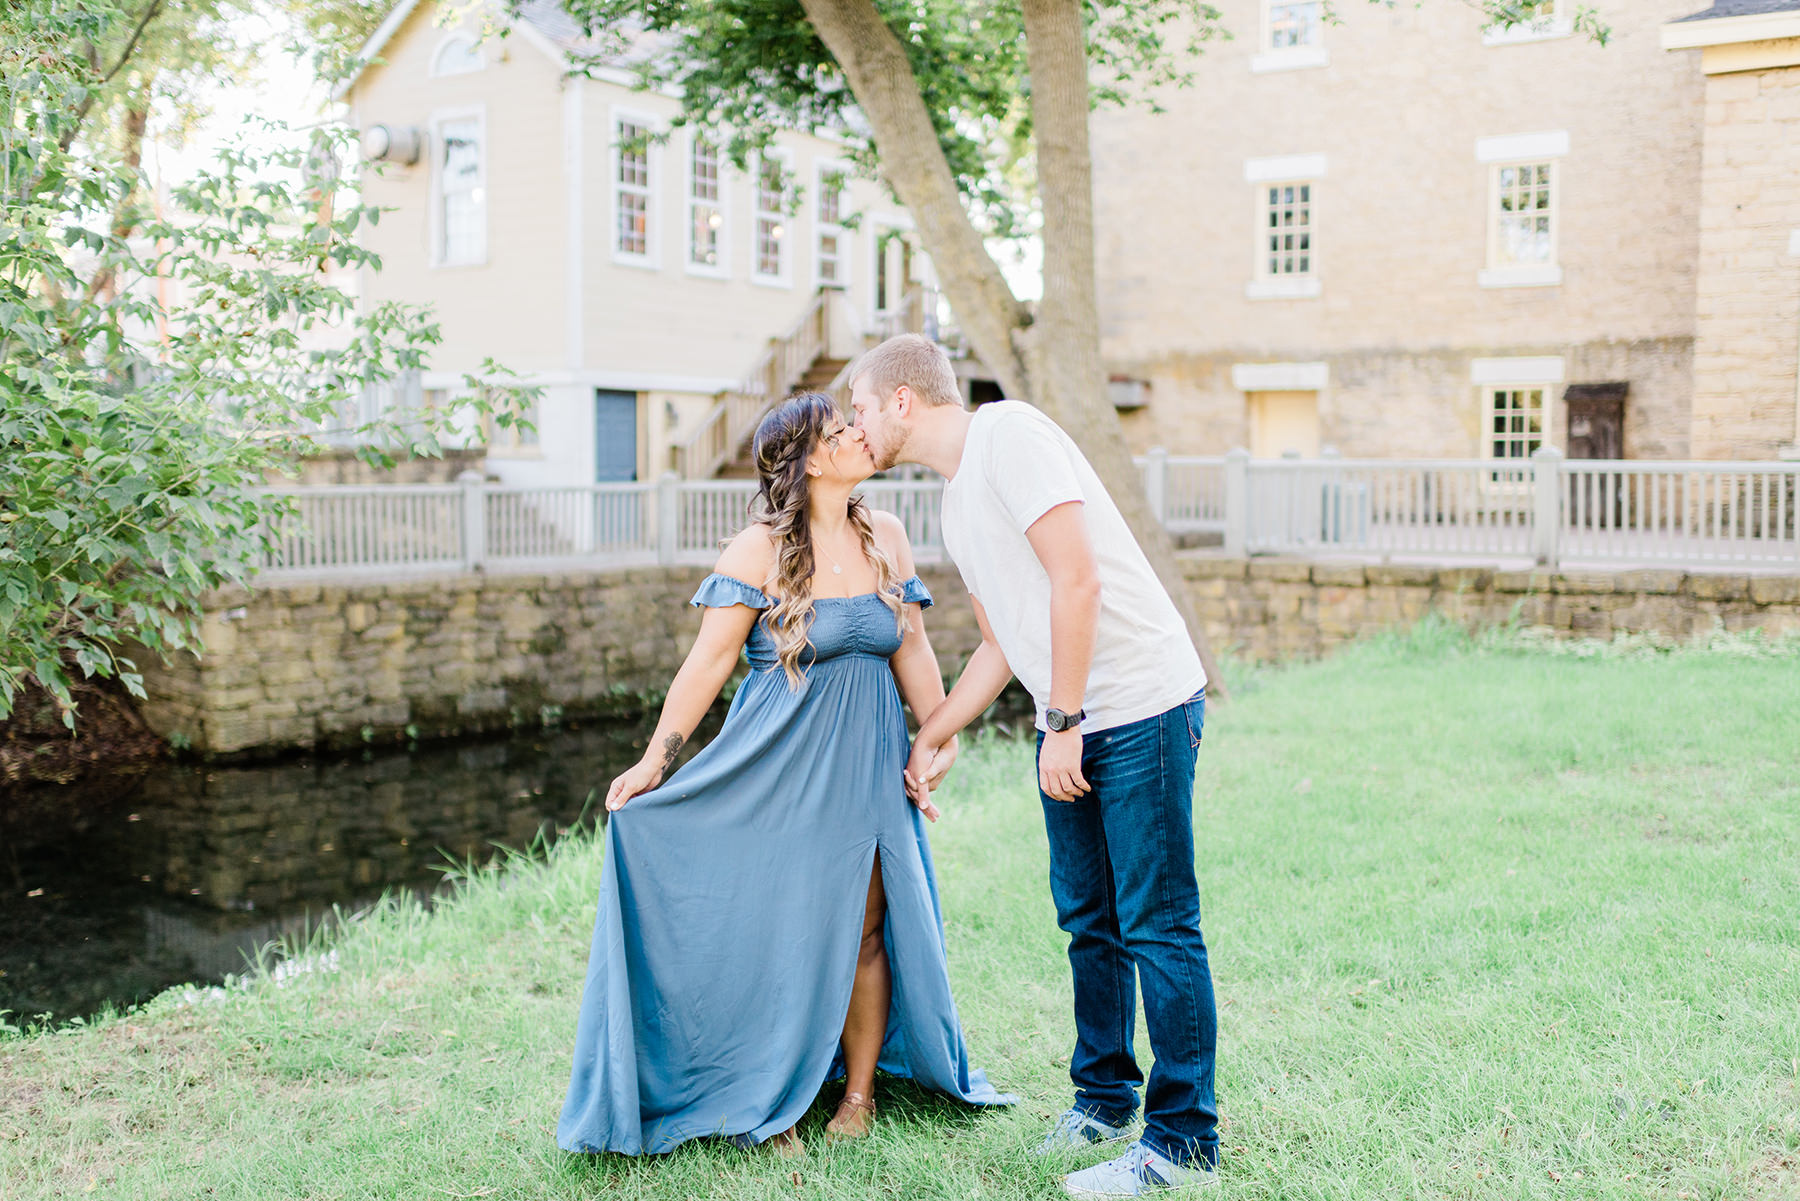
(739, 408)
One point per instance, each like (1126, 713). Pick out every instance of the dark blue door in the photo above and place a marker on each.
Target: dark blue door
(615, 436)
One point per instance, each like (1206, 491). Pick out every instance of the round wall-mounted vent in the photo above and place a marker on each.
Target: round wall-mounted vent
(393, 144)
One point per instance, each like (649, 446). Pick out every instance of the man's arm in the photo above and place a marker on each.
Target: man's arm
(983, 679)
(1060, 540)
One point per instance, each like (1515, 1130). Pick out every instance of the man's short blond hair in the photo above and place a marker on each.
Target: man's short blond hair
(911, 361)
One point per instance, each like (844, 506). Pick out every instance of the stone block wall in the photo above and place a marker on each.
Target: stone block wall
(303, 665)
(1297, 608)
(1749, 286)
(297, 666)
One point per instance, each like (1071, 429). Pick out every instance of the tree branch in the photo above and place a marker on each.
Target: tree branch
(912, 160)
(87, 103)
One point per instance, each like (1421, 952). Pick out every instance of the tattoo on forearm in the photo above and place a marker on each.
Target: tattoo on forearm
(671, 748)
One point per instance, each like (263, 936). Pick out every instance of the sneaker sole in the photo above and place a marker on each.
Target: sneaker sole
(1156, 1190)
(1043, 1152)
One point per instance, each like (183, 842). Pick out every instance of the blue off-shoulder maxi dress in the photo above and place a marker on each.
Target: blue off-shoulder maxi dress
(732, 898)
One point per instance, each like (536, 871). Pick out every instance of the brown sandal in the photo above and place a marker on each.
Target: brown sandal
(787, 1144)
(854, 1108)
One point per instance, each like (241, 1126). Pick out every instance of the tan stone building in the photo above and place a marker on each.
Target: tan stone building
(563, 226)
(1747, 319)
(1405, 234)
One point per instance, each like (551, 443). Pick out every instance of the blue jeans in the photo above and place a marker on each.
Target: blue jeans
(1122, 875)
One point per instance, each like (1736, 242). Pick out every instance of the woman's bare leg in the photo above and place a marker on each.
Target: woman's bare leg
(865, 1026)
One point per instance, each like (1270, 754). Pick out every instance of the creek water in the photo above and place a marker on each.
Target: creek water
(116, 890)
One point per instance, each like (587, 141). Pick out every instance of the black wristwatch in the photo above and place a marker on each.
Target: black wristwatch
(1058, 721)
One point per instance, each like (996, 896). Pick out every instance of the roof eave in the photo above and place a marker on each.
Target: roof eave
(1691, 34)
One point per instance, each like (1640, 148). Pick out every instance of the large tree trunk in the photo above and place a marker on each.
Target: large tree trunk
(103, 287)
(912, 161)
(1054, 360)
(1061, 350)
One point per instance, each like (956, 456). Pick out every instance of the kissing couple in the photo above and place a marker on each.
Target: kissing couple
(768, 915)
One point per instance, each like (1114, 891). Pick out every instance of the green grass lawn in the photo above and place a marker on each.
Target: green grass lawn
(1485, 923)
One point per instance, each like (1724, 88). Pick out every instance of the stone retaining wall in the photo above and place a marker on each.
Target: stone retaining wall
(302, 665)
(1299, 608)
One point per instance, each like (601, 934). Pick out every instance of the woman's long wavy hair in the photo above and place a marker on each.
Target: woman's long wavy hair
(784, 440)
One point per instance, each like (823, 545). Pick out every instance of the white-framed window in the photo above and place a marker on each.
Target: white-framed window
(770, 258)
(458, 54)
(1524, 208)
(1544, 20)
(1515, 420)
(831, 259)
(1286, 220)
(1291, 35)
(706, 249)
(459, 187)
(1286, 249)
(1522, 225)
(1524, 186)
(634, 189)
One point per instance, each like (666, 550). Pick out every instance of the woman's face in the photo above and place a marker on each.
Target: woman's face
(841, 455)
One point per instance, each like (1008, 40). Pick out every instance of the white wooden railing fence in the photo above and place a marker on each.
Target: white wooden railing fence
(1544, 510)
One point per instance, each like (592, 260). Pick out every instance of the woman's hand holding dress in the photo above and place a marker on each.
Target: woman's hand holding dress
(641, 776)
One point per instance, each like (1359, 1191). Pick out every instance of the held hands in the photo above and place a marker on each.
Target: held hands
(641, 776)
(1059, 766)
(926, 770)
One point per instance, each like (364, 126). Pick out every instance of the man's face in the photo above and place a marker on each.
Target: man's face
(880, 423)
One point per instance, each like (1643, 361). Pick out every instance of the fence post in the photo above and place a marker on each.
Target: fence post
(668, 517)
(474, 519)
(1237, 501)
(1156, 483)
(1546, 504)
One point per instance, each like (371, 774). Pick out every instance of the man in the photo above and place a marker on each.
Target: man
(1067, 601)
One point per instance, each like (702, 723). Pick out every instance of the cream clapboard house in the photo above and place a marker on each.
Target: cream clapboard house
(1405, 234)
(645, 283)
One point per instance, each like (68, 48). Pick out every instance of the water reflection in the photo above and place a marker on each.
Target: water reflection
(178, 875)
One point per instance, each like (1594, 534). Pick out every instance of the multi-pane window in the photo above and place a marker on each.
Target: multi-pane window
(1524, 230)
(706, 216)
(1515, 422)
(1294, 25)
(830, 226)
(632, 189)
(1287, 234)
(771, 194)
(462, 194)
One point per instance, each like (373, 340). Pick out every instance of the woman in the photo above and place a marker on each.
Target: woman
(768, 916)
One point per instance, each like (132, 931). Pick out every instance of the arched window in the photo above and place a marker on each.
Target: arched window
(459, 55)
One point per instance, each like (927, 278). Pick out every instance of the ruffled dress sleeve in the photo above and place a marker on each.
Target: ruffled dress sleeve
(914, 592)
(722, 591)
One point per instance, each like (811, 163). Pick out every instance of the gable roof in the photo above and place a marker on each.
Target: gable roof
(546, 24)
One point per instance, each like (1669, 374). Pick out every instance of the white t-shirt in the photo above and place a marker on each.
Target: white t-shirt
(1016, 466)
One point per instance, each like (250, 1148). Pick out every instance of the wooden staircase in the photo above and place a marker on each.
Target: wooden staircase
(786, 367)
(798, 361)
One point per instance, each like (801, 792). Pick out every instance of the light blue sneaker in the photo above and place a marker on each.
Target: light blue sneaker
(1138, 1172)
(1075, 1130)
